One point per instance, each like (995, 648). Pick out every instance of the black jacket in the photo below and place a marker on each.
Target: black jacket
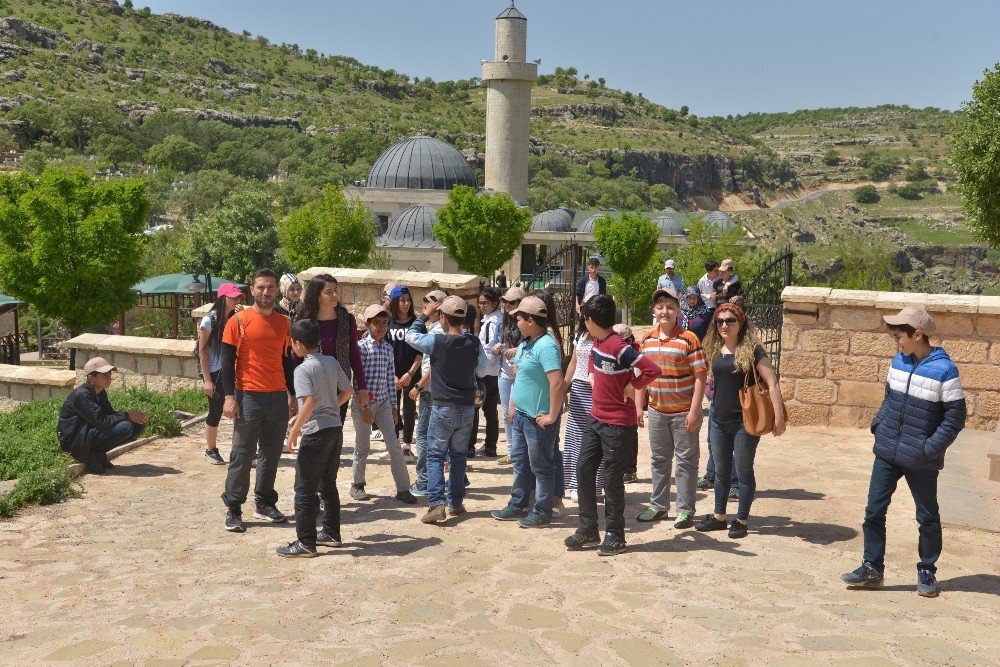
(83, 410)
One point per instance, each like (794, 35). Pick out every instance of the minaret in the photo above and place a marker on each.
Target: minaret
(508, 79)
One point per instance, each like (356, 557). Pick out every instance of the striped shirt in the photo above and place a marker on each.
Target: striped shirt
(680, 358)
(379, 363)
(613, 363)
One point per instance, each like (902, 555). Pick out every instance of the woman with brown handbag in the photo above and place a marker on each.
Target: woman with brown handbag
(738, 364)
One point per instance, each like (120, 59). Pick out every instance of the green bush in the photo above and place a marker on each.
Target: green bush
(831, 158)
(866, 194)
(911, 191)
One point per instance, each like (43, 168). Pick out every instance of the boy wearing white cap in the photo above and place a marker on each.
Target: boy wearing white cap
(922, 414)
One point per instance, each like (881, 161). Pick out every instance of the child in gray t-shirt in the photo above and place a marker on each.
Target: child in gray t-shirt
(321, 387)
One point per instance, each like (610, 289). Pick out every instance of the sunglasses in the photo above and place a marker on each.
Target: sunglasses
(726, 320)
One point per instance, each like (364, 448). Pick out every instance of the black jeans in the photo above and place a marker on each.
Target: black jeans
(407, 408)
(316, 469)
(633, 457)
(263, 422)
(215, 402)
(103, 441)
(923, 488)
(490, 407)
(611, 444)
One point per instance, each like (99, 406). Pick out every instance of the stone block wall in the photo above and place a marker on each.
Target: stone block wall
(836, 352)
(157, 364)
(24, 384)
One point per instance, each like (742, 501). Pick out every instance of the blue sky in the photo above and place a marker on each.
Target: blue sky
(716, 57)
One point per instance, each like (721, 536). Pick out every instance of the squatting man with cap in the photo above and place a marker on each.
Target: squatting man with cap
(88, 427)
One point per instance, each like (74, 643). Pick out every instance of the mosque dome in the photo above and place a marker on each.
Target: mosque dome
(586, 220)
(420, 163)
(413, 228)
(557, 220)
(671, 223)
(719, 220)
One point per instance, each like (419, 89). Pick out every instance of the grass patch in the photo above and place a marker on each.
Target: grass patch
(29, 448)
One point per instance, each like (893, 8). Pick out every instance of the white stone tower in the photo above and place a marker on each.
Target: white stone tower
(508, 80)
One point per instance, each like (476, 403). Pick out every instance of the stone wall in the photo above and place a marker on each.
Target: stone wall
(157, 364)
(836, 351)
(34, 383)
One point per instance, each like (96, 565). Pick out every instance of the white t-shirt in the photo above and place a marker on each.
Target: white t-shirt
(592, 289)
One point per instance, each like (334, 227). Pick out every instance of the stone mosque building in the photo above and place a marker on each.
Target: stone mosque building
(410, 181)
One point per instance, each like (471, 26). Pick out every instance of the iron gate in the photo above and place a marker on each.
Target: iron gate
(558, 275)
(762, 300)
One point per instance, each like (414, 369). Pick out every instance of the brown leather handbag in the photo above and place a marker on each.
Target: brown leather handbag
(758, 411)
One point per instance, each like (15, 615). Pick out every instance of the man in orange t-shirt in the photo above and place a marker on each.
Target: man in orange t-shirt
(257, 383)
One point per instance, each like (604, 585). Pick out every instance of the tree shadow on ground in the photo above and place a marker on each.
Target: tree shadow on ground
(143, 470)
(814, 533)
(988, 584)
(692, 541)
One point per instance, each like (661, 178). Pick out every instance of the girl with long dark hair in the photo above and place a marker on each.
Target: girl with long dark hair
(407, 364)
(510, 336)
(580, 403)
(210, 362)
(490, 333)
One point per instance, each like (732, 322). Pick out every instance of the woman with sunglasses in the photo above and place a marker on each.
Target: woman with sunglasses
(732, 350)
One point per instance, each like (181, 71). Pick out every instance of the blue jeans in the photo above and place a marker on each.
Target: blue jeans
(423, 423)
(731, 441)
(710, 468)
(923, 488)
(505, 385)
(448, 436)
(531, 458)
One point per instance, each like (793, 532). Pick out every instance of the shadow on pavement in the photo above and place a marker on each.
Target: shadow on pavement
(691, 541)
(383, 544)
(814, 533)
(144, 470)
(988, 584)
(789, 494)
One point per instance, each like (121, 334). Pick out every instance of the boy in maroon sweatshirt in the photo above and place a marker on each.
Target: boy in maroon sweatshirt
(611, 427)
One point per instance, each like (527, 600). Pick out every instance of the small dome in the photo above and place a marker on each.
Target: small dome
(671, 223)
(557, 220)
(587, 220)
(719, 220)
(421, 163)
(413, 228)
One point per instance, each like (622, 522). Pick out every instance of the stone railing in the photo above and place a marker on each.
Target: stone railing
(836, 351)
(34, 383)
(157, 364)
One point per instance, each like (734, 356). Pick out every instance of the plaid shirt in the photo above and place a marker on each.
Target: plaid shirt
(380, 368)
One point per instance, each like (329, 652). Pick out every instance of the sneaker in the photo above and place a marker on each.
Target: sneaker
(405, 496)
(865, 576)
(734, 493)
(611, 546)
(631, 477)
(509, 513)
(580, 539)
(325, 539)
(358, 493)
(574, 495)
(927, 584)
(710, 523)
(684, 520)
(435, 514)
(651, 514)
(705, 483)
(108, 465)
(377, 435)
(504, 460)
(456, 510)
(94, 467)
(737, 529)
(409, 456)
(296, 550)
(214, 457)
(234, 522)
(269, 512)
(383, 456)
(534, 520)
(485, 453)
(417, 491)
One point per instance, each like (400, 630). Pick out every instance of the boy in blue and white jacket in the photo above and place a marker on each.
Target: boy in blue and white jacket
(921, 415)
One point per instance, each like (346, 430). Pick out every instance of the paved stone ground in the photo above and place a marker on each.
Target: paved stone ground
(140, 571)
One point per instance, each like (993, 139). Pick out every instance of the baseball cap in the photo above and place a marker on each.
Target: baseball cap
(389, 286)
(454, 305)
(666, 291)
(726, 264)
(230, 290)
(398, 291)
(374, 310)
(513, 294)
(437, 296)
(623, 330)
(532, 305)
(669, 264)
(918, 318)
(98, 365)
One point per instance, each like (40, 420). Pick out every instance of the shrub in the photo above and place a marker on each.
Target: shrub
(866, 194)
(912, 191)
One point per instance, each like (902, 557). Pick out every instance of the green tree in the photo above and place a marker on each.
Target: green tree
(234, 239)
(78, 119)
(70, 246)
(704, 242)
(831, 158)
(357, 143)
(115, 148)
(330, 231)
(866, 194)
(176, 152)
(481, 231)
(626, 243)
(205, 189)
(7, 141)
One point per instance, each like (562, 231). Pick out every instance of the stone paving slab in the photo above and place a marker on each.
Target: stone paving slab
(140, 571)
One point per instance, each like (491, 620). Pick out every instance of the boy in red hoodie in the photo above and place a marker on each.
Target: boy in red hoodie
(611, 427)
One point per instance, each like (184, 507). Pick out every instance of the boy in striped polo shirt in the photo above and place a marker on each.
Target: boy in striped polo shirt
(674, 409)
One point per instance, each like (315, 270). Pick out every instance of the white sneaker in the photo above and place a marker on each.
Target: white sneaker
(574, 496)
(384, 456)
(377, 435)
(408, 455)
